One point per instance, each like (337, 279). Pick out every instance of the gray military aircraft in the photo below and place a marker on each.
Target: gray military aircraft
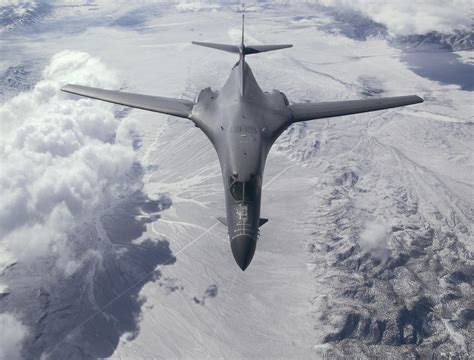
(242, 122)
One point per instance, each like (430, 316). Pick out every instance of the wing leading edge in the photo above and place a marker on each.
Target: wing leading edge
(176, 107)
(312, 111)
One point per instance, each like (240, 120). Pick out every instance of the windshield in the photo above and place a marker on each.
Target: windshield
(237, 190)
(243, 191)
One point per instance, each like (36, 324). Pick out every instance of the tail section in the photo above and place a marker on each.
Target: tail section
(243, 50)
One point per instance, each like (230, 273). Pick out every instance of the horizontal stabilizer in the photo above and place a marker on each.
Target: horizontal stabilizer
(247, 49)
(223, 47)
(255, 49)
(177, 107)
(312, 111)
(223, 220)
(262, 222)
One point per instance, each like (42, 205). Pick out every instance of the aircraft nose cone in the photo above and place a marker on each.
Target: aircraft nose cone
(243, 248)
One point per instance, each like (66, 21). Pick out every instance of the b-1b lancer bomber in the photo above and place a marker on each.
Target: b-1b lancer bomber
(242, 122)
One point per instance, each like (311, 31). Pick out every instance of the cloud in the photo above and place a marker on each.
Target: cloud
(192, 5)
(3, 289)
(19, 7)
(374, 239)
(14, 12)
(406, 17)
(13, 333)
(61, 157)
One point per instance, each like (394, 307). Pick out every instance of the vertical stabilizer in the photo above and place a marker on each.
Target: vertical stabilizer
(243, 31)
(242, 59)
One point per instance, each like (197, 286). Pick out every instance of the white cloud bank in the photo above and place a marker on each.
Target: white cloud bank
(61, 156)
(404, 17)
(13, 332)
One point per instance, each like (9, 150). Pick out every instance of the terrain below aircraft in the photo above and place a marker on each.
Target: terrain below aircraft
(242, 122)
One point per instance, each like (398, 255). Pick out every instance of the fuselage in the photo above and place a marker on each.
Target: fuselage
(242, 122)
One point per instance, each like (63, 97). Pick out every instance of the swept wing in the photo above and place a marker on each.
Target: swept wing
(176, 107)
(312, 111)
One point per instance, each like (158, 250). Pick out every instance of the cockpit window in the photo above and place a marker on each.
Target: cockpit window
(243, 191)
(249, 190)
(237, 190)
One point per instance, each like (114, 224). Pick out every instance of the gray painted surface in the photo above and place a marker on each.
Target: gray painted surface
(242, 122)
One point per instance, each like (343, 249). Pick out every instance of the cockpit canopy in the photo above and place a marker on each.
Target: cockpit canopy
(243, 190)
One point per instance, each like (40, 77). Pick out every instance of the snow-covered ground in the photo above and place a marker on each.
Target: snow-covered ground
(368, 250)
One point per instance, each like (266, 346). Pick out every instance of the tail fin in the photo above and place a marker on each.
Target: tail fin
(242, 49)
(242, 46)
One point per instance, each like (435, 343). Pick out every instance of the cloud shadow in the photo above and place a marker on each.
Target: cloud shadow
(84, 315)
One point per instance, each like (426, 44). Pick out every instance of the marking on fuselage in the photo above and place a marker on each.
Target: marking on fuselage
(250, 234)
(242, 226)
(242, 215)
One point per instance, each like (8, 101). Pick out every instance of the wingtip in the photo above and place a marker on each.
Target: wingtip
(415, 99)
(67, 87)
